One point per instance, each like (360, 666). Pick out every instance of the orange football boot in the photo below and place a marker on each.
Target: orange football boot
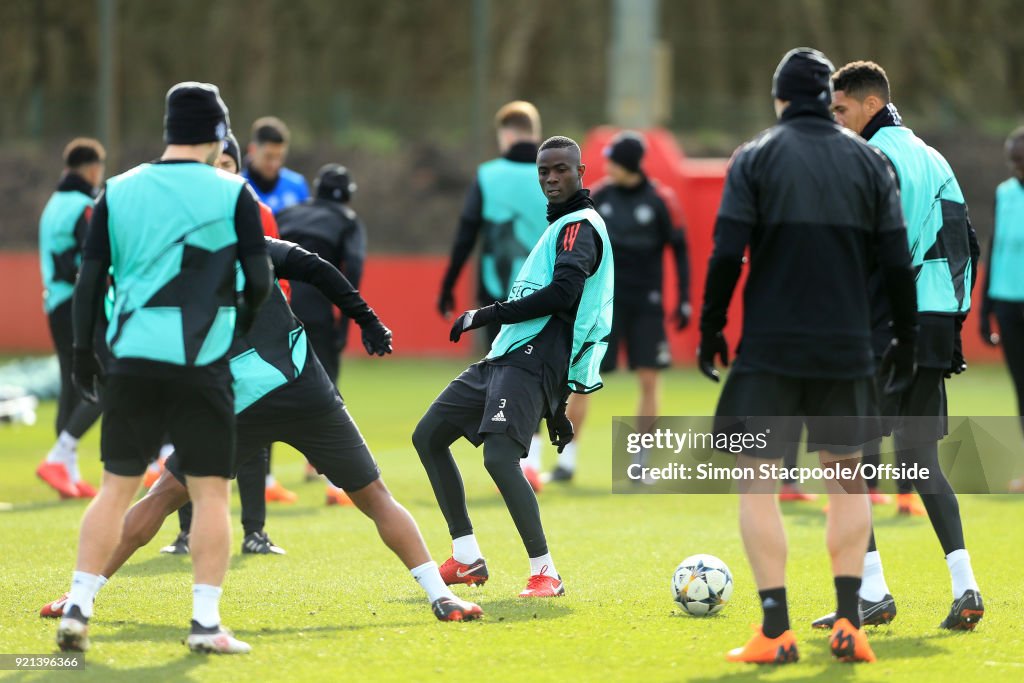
(763, 650)
(850, 644)
(338, 497)
(909, 505)
(279, 494)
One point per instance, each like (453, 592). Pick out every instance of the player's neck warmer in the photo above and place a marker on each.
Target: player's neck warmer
(579, 201)
(886, 116)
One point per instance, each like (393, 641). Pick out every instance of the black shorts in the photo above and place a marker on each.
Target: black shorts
(494, 399)
(919, 415)
(639, 324)
(319, 427)
(140, 412)
(840, 414)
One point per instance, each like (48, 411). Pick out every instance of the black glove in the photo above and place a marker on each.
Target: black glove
(560, 429)
(898, 367)
(958, 364)
(712, 343)
(244, 317)
(471, 320)
(87, 374)
(376, 338)
(987, 335)
(446, 302)
(683, 314)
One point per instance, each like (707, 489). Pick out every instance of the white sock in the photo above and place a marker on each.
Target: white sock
(872, 585)
(65, 452)
(567, 458)
(543, 565)
(961, 573)
(533, 455)
(429, 578)
(84, 587)
(206, 605)
(465, 549)
(64, 449)
(270, 480)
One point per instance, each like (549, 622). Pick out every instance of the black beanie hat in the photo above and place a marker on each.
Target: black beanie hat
(231, 149)
(333, 182)
(804, 74)
(195, 114)
(627, 150)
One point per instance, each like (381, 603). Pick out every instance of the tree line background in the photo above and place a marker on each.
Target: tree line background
(386, 87)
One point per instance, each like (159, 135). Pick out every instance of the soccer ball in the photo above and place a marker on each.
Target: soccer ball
(701, 585)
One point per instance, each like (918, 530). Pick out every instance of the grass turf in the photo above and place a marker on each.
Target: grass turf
(340, 606)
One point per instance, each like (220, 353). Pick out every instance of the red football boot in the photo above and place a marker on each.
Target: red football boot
(55, 609)
(56, 475)
(85, 489)
(453, 609)
(473, 574)
(543, 586)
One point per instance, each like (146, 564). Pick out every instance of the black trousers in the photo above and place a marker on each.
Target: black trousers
(1010, 316)
(74, 415)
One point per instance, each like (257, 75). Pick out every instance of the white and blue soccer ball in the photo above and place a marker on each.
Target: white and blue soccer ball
(701, 585)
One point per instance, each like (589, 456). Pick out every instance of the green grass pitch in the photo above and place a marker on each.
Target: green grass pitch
(339, 606)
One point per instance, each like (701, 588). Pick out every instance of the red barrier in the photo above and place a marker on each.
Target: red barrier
(23, 326)
(403, 289)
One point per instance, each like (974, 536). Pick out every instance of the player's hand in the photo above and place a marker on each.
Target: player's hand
(446, 303)
(682, 315)
(987, 335)
(471, 320)
(87, 374)
(244, 318)
(958, 364)
(712, 344)
(376, 338)
(560, 429)
(898, 367)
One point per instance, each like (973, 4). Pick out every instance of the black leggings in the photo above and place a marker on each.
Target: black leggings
(74, 415)
(1010, 316)
(252, 475)
(936, 494)
(433, 437)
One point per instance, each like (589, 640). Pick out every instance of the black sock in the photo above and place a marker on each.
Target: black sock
(185, 517)
(776, 613)
(847, 588)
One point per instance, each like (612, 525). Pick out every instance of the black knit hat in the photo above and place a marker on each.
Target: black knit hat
(334, 182)
(195, 114)
(627, 150)
(231, 149)
(804, 74)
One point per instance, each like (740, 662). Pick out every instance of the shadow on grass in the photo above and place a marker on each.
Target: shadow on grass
(504, 610)
(155, 565)
(174, 670)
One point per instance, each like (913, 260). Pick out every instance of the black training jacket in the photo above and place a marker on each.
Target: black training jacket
(819, 209)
